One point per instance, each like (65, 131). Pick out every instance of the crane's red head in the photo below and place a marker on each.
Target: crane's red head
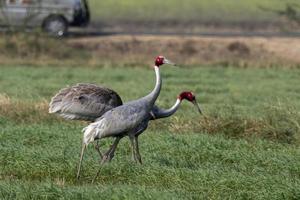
(191, 98)
(187, 95)
(160, 60)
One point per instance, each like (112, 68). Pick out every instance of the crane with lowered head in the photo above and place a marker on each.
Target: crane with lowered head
(158, 113)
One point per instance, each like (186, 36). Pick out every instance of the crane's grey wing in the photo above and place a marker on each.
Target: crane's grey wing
(84, 101)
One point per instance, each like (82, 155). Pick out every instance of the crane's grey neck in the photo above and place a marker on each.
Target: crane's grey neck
(151, 98)
(170, 111)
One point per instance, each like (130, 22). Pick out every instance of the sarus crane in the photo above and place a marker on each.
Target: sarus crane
(129, 119)
(158, 113)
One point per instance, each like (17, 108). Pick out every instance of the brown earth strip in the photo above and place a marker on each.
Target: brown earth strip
(240, 51)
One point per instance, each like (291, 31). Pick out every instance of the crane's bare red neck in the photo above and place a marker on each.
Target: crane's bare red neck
(187, 95)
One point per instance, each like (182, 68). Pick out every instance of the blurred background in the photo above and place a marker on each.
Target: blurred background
(256, 33)
(193, 16)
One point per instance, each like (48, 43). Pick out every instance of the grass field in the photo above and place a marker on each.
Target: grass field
(230, 11)
(245, 147)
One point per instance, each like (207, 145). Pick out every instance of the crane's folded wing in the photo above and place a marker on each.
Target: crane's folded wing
(84, 101)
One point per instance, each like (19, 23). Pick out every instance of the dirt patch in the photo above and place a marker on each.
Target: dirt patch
(241, 51)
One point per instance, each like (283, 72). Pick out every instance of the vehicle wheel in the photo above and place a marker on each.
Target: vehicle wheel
(55, 26)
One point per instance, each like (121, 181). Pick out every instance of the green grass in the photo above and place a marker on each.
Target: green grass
(185, 11)
(246, 146)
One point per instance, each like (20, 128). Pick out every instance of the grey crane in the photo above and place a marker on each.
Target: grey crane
(158, 113)
(130, 119)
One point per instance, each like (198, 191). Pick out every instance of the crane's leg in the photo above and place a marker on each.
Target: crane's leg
(108, 155)
(132, 141)
(97, 147)
(137, 151)
(80, 161)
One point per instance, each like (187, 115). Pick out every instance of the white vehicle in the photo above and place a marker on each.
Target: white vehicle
(53, 16)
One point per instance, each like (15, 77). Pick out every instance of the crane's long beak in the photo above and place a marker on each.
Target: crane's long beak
(166, 61)
(197, 106)
(80, 161)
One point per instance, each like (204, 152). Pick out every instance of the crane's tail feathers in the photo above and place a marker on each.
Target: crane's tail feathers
(55, 104)
(54, 108)
(92, 131)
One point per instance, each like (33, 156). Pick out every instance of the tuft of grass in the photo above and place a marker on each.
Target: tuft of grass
(275, 124)
(280, 124)
(24, 112)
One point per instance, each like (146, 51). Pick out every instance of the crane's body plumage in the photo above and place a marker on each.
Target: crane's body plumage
(118, 121)
(125, 119)
(84, 101)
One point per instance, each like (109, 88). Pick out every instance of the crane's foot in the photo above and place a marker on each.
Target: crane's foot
(110, 157)
(139, 159)
(104, 159)
(107, 157)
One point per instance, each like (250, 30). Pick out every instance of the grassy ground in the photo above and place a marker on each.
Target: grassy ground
(186, 11)
(246, 146)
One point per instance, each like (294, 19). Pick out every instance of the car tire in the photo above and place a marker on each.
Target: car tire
(55, 26)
